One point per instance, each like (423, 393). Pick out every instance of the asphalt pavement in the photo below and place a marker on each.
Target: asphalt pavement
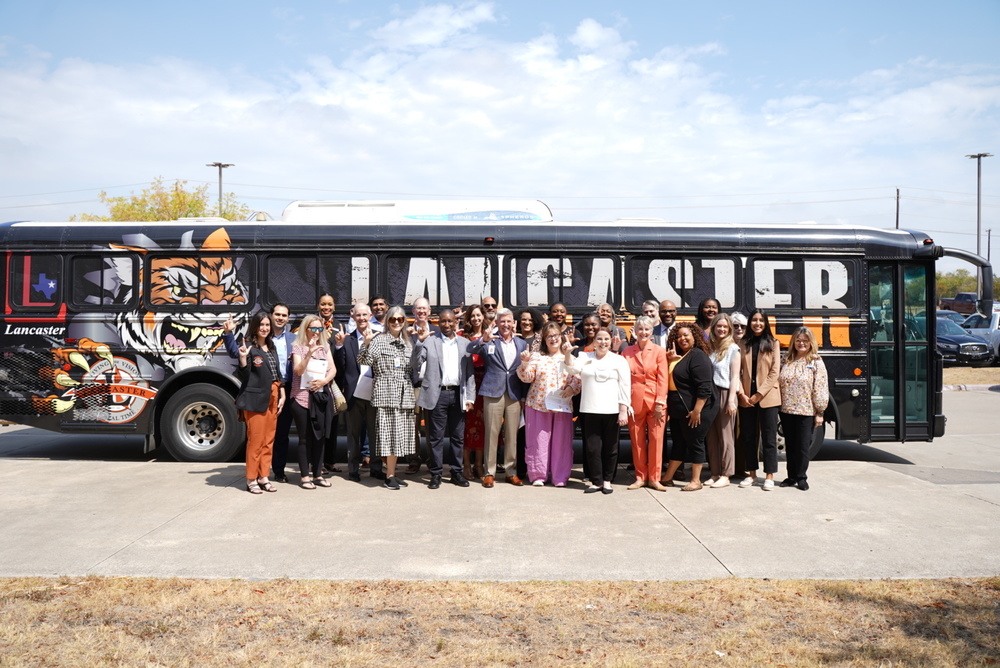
(94, 505)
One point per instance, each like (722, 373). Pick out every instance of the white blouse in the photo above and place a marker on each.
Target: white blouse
(605, 383)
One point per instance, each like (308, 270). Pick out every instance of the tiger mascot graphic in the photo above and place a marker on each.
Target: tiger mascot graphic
(171, 330)
(177, 334)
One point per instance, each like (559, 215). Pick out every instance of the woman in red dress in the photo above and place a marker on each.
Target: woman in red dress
(475, 432)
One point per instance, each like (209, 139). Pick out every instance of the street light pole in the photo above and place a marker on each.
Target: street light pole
(979, 198)
(221, 166)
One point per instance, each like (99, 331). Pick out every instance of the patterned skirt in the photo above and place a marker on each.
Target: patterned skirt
(395, 432)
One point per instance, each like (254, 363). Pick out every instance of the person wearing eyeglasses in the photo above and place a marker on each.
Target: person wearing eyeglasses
(389, 354)
(502, 393)
(313, 405)
(548, 410)
(668, 316)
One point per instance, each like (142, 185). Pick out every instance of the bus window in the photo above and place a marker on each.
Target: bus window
(445, 280)
(206, 281)
(809, 284)
(575, 281)
(104, 281)
(35, 282)
(883, 351)
(299, 280)
(686, 281)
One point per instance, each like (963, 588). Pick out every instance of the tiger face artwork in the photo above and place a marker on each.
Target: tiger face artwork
(175, 329)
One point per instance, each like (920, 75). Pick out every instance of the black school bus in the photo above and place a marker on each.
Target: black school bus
(117, 327)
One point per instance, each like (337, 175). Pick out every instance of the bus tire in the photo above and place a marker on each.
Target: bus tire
(819, 435)
(199, 424)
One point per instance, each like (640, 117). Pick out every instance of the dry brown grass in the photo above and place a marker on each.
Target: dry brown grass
(965, 375)
(732, 622)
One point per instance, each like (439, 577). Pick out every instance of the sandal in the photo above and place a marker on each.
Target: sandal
(322, 482)
(266, 485)
(307, 483)
(253, 487)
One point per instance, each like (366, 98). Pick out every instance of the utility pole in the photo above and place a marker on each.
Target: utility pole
(221, 166)
(978, 157)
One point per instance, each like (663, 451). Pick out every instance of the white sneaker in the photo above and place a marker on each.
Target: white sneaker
(721, 482)
(747, 482)
(538, 483)
(768, 485)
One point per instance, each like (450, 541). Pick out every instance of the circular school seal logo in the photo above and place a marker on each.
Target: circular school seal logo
(114, 393)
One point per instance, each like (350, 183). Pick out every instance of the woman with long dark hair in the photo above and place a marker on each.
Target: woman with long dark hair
(707, 310)
(261, 397)
(473, 324)
(759, 399)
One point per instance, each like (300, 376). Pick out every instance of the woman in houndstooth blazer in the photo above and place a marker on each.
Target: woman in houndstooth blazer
(388, 354)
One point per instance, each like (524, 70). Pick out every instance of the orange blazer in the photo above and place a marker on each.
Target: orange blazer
(650, 379)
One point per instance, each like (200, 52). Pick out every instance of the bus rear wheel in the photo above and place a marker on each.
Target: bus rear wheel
(200, 424)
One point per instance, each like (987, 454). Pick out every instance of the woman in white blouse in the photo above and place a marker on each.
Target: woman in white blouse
(605, 404)
(726, 377)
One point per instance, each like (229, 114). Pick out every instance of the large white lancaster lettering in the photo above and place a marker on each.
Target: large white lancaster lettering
(765, 292)
(827, 282)
(665, 278)
(422, 279)
(477, 279)
(602, 276)
(360, 275)
(537, 276)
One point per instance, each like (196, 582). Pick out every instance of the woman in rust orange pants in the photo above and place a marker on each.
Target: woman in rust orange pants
(260, 399)
(648, 363)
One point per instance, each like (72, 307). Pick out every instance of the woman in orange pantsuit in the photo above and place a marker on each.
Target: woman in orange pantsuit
(260, 399)
(648, 363)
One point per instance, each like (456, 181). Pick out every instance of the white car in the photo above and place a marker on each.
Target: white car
(987, 329)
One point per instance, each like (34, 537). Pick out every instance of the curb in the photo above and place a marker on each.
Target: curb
(971, 388)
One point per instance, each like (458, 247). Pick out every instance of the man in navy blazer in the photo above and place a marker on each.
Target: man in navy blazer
(502, 393)
(360, 414)
(447, 392)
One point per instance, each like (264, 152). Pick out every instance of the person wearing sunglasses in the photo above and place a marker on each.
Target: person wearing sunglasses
(313, 405)
(389, 356)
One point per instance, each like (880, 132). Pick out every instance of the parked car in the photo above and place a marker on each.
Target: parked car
(957, 346)
(963, 302)
(955, 317)
(987, 329)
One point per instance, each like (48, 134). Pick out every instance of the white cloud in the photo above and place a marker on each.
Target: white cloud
(430, 106)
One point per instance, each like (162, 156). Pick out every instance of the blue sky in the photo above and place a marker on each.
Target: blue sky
(767, 111)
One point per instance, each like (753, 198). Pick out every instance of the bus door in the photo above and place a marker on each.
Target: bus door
(903, 365)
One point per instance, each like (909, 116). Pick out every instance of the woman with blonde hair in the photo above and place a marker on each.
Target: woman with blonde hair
(725, 356)
(388, 354)
(313, 405)
(804, 397)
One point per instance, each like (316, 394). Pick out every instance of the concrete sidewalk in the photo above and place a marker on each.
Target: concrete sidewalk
(920, 510)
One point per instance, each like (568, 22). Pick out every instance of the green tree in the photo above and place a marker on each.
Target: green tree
(165, 202)
(961, 280)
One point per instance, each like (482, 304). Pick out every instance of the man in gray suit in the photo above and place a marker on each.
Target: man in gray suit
(447, 392)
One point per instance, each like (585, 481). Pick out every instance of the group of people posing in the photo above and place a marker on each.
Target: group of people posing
(490, 385)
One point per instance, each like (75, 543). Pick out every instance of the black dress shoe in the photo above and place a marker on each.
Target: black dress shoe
(592, 490)
(356, 477)
(607, 490)
(459, 480)
(787, 482)
(803, 485)
(378, 475)
(435, 481)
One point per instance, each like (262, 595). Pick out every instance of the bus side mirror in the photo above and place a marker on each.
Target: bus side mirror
(984, 307)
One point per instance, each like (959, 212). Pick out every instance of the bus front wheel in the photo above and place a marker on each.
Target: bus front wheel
(199, 424)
